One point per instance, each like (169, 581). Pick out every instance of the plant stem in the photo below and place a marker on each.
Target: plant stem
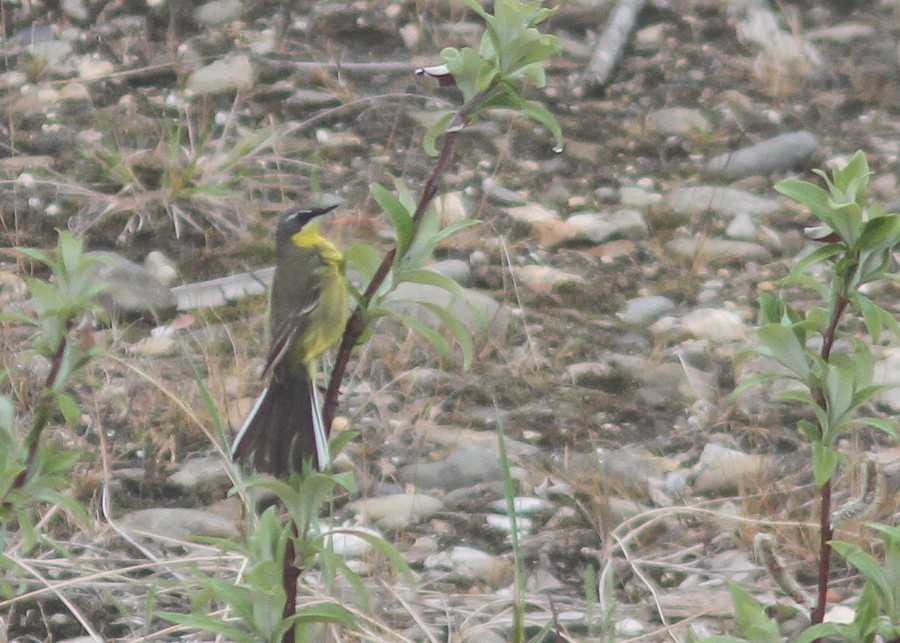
(290, 576)
(825, 530)
(356, 325)
(42, 412)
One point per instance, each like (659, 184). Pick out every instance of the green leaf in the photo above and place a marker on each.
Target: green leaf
(870, 568)
(69, 409)
(434, 337)
(751, 617)
(817, 632)
(820, 254)
(825, 461)
(809, 194)
(880, 233)
(753, 381)
(782, 345)
(428, 142)
(400, 217)
(883, 424)
(810, 430)
(460, 332)
(431, 278)
(872, 315)
(537, 112)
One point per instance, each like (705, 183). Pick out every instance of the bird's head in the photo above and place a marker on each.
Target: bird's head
(297, 218)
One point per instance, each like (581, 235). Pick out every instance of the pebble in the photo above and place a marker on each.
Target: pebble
(776, 154)
(178, 524)
(731, 474)
(702, 199)
(219, 12)
(545, 279)
(532, 213)
(628, 224)
(504, 523)
(523, 505)
(499, 194)
(677, 120)
(642, 311)
(234, 73)
(349, 543)
(742, 227)
(155, 346)
(633, 197)
(718, 252)
(131, 289)
(161, 267)
(590, 374)
(887, 373)
(715, 325)
(482, 566)
(95, 69)
(462, 468)
(197, 473)
(396, 511)
(470, 439)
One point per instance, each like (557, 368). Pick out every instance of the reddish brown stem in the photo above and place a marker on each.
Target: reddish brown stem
(356, 324)
(825, 530)
(290, 576)
(42, 412)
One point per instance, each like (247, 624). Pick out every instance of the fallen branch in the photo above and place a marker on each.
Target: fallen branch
(612, 43)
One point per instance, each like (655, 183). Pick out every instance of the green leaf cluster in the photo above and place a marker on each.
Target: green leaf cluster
(256, 601)
(31, 472)
(511, 55)
(833, 385)
(415, 245)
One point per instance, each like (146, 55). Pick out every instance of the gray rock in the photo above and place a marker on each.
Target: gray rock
(677, 120)
(532, 213)
(396, 511)
(499, 194)
(545, 279)
(92, 69)
(130, 288)
(178, 524)
(887, 373)
(456, 269)
(718, 252)
(642, 311)
(219, 12)
(701, 199)
(234, 73)
(459, 469)
(742, 227)
(523, 505)
(196, 473)
(773, 155)
(627, 224)
(633, 197)
(163, 345)
(474, 563)
(716, 325)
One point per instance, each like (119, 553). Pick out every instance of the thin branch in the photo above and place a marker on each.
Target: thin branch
(356, 324)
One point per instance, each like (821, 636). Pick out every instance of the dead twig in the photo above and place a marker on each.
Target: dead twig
(611, 43)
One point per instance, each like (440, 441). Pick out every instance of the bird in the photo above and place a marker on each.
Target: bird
(307, 315)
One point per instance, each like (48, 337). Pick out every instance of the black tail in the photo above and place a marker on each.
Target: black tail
(284, 429)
